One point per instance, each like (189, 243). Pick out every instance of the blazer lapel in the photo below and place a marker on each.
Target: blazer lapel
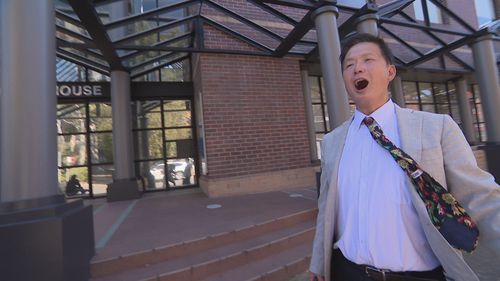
(410, 132)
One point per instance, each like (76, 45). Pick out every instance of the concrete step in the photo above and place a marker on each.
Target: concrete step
(209, 255)
(280, 266)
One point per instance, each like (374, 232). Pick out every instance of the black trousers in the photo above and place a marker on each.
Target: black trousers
(343, 270)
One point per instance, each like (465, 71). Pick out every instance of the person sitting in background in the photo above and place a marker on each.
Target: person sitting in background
(73, 187)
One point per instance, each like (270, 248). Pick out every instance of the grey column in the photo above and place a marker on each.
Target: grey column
(311, 129)
(28, 101)
(397, 94)
(325, 19)
(124, 185)
(43, 236)
(122, 129)
(368, 24)
(487, 77)
(465, 110)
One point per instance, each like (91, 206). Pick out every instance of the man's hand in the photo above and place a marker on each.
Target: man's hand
(314, 277)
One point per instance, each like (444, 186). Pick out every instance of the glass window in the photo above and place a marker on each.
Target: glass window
(76, 187)
(319, 120)
(102, 175)
(455, 113)
(148, 115)
(152, 174)
(425, 92)
(97, 77)
(477, 112)
(315, 93)
(352, 3)
(410, 92)
(181, 118)
(178, 134)
(428, 107)
(69, 72)
(434, 12)
(100, 117)
(440, 93)
(485, 11)
(72, 150)
(71, 118)
(101, 147)
(148, 144)
(180, 172)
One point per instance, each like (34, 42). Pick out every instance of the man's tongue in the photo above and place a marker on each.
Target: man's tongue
(361, 84)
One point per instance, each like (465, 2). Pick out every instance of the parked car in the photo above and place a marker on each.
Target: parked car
(176, 170)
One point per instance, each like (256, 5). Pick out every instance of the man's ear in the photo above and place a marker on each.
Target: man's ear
(391, 72)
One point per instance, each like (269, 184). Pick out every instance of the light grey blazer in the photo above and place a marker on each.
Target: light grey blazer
(436, 142)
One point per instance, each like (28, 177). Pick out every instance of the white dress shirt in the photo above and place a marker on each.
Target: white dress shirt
(377, 224)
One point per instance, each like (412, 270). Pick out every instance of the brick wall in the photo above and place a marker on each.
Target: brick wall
(253, 113)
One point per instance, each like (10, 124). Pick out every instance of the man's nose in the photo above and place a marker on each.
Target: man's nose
(359, 67)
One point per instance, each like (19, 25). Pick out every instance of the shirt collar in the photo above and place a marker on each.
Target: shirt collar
(382, 115)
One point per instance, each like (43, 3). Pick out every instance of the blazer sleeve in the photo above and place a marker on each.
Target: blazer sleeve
(475, 189)
(318, 254)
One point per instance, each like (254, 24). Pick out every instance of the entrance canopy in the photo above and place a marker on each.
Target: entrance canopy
(141, 36)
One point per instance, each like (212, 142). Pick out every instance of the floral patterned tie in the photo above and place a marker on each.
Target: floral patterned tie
(445, 212)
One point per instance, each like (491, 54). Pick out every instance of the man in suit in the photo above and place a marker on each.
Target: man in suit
(372, 224)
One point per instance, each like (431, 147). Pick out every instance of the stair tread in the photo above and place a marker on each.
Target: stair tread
(255, 269)
(171, 265)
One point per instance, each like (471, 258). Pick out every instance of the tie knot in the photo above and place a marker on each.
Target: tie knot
(368, 120)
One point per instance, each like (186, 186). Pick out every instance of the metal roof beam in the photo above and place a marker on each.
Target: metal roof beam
(82, 61)
(76, 35)
(65, 17)
(291, 3)
(78, 46)
(157, 11)
(88, 16)
(440, 51)
(152, 60)
(155, 29)
(397, 38)
(158, 67)
(243, 19)
(274, 12)
(295, 35)
(417, 26)
(239, 36)
(350, 24)
(393, 8)
(454, 16)
(172, 40)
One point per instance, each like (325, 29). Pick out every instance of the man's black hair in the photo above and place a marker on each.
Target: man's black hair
(350, 41)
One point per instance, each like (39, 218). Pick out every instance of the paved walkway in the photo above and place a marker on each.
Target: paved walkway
(163, 218)
(160, 219)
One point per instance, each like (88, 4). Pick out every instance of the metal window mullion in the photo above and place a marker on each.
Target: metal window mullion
(323, 104)
(420, 106)
(88, 148)
(164, 144)
(478, 128)
(449, 100)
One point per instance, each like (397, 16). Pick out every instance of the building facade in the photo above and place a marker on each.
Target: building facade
(123, 97)
(253, 121)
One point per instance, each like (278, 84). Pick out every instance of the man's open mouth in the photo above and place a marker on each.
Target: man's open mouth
(361, 84)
